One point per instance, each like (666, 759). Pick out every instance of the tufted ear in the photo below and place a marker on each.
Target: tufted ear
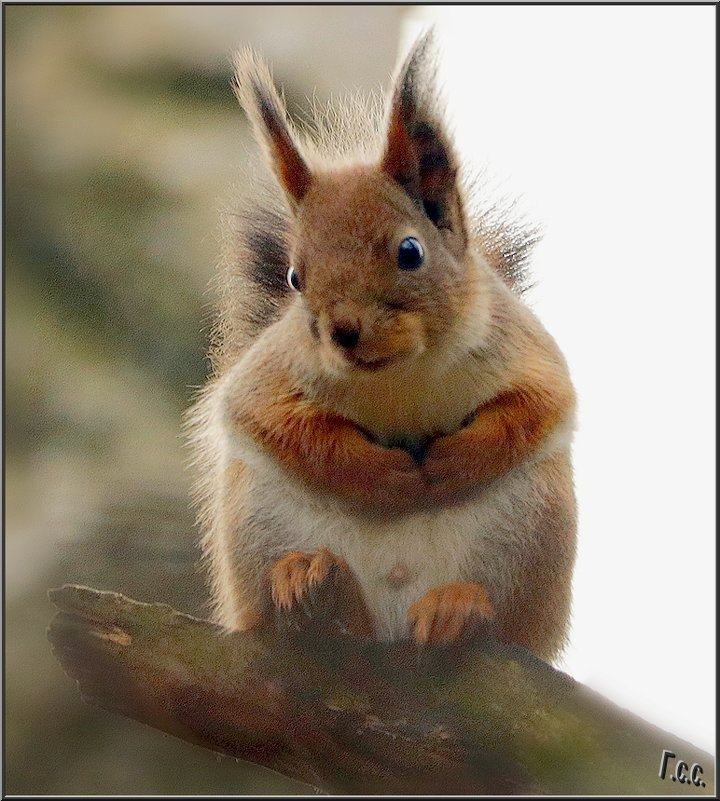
(257, 94)
(418, 154)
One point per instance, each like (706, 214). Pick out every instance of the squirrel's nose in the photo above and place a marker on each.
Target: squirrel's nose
(345, 335)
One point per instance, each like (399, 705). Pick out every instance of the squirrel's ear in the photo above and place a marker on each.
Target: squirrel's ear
(257, 94)
(418, 154)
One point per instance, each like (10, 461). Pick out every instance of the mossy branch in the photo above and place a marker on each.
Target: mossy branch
(356, 718)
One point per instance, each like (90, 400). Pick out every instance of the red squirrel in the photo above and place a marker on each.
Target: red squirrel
(384, 444)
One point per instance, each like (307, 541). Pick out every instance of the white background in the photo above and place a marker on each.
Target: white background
(603, 119)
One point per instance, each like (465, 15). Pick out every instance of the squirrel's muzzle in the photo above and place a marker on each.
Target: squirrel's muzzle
(368, 338)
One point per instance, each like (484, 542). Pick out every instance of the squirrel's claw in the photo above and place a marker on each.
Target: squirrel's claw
(318, 591)
(450, 613)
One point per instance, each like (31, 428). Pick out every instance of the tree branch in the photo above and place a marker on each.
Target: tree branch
(361, 718)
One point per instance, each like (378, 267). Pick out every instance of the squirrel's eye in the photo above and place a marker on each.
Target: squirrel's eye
(292, 279)
(410, 254)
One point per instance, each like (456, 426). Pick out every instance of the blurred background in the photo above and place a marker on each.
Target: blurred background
(123, 139)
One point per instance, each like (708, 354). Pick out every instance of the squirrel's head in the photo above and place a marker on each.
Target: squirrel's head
(378, 252)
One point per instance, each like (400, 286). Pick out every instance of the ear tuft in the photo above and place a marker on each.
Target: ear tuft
(418, 154)
(257, 94)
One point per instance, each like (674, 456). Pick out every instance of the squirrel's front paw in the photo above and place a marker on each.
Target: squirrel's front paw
(450, 612)
(318, 591)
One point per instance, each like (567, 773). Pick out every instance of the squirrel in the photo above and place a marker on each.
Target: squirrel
(383, 447)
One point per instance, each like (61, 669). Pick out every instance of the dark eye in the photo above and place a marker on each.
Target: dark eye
(410, 254)
(292, 279)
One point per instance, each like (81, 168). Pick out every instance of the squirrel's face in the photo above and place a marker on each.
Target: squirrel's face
(378, 280)
(378, 254)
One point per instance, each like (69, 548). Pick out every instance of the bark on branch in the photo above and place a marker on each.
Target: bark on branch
(350, 718)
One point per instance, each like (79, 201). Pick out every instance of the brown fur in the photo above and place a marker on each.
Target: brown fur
(324, 449)
(329, 452)
(450, 401)
(504, 432)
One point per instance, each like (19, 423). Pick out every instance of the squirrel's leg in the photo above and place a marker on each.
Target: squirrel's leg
(318, 591)
(232, 553)
(325, 450)
(502, 433)
(450, 613)
(536, 613)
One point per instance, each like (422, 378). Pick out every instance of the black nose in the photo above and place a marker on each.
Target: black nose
(345, 336)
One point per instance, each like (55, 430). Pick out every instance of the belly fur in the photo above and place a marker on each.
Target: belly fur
(398, 561)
